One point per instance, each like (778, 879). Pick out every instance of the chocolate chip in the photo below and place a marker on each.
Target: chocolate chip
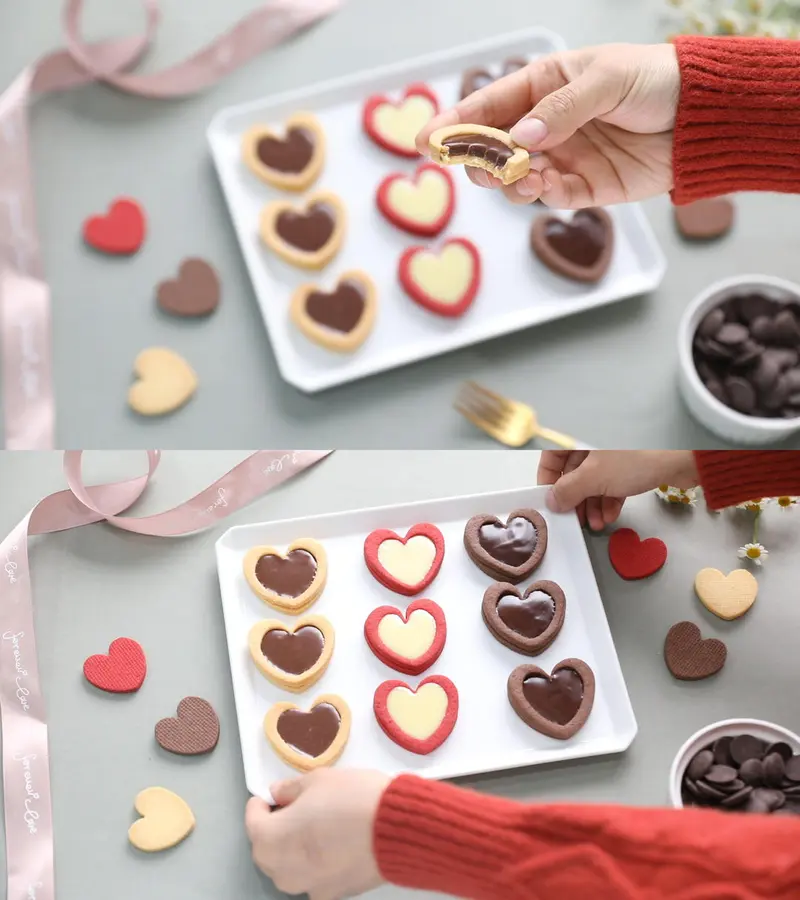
(715, 350)
(712, 323)
(751, 771)
(756, 803)
(748, 353)
(741, 393)
(762, 328)
(715, 387)
(773, 798)
(783, 357)
(691, 788)
(738, 798)
(722, 751)
(710, 792)
(755, 306)
(774, 769)
(745, 747)
(792, 378)
(787, 330)
(791, 789)
(719, 775)
(775, 398)
(700, 764)
(780, 747)
(766, 372)
(793, 769)
(732, 334)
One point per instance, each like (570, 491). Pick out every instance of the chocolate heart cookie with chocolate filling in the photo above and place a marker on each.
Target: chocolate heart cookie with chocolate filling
(579, 248)
(290, 583)
(291, 161)
(308, 740)
(308, 238)
(481, 147)
(474, 79)
(509, 551)
(292, 656)
(527, 622)
(558, 704)
(341, 319)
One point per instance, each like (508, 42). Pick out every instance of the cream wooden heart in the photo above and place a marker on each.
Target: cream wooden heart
(444, 277)
(410, 639)
(727, 596)
(166, 820)
(165, 382)
(418, 714)
(398, 124)
(408, 562)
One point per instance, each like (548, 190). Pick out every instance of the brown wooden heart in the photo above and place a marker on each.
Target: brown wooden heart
(691, 658)
(510, 550)
(528, 622)
(193, 731)
(579, 248)
(479, 77)
(195, 292)
(558, 704)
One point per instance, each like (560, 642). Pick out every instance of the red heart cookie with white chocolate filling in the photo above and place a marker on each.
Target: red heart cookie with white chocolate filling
(409, 642)
(444, 281)
(405, 565)
(394, 125)
(419, 719)
(422, 203)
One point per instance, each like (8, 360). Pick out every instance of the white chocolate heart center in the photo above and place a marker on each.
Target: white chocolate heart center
(444, 277)
(400, 124)
(423, 201)
(418, 714)
(410, 639)
(409, 563)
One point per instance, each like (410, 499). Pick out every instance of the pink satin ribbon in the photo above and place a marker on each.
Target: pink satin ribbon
(29, 402)
(26, 770)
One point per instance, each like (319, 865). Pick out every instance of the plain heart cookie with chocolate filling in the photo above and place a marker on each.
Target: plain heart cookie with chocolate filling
(292, 582)
(419, 719)
(422, 203)
(405, 565)
(290, 161)
(529, 622)
(446, 281)
(474, 79)
(558, 704)
(309, 740)
(341, 319)
(510, 550)
(394, 125)
(409, 642)
(579, 248)
(308, 237)
(292, 656)
(480, 147)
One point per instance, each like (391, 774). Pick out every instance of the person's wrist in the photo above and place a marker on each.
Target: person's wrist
(682, 469)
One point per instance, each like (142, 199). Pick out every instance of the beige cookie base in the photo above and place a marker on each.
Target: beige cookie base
(286, 181)
(291, 605)
(517, 167)
(300, 760)
(727, 596)
(327, 337)
(318, 259)
(166, 820)
(165, 381)
(286, 680)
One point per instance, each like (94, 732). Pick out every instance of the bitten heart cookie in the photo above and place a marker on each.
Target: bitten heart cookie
(579, 248)
(444, 281)
(418, 719)
(509, 550)
(341, 319)
(405, 565)
(394, 125)
(308, 237)
(409, 642)
(291, 582)
(121, 671)
(291, 160)
(164, 382)
(193, 731)
(558, 704)
(309, 740)
(689, 657)
(120, 232)
(727, 596)
(480, 147)
(292, 656)
(422, 203)
(166, 819)
(529, 622)
(634, 558)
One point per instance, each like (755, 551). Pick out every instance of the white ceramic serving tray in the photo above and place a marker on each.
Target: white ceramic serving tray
(517, 290)
(488, 734)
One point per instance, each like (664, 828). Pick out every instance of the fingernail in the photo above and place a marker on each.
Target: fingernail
(525, 188)
(529, 132)
(547, 184)
(276, 788)
(552, 501)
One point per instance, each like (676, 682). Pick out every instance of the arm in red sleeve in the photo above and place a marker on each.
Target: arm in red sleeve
(729, 477)
(438, 837)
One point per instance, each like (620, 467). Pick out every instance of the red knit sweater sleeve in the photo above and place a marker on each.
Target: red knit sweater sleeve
(438, 837)
(729, 477)
(738, 118)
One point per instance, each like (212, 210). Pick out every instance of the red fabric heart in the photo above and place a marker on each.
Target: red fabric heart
(120, 231)
(122, 671)
(634, 558)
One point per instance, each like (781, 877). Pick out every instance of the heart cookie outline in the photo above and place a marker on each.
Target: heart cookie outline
(164, 382)
(634, 558)
(469, 76)
(120, 231)
(287, 181)
(296, 256)
(559, 264)
(166, 820)
(372, 109)
(295, 758)
(372, 546)
(192, 732)
(394, 731)
(406, 223)
(390, 657)
(340, 342)
(727, 596)
(288, 680)
(301, 602)
(196, 278)
(691, 657)
(530, 646)
(419, 294)
(120, 671)
(494, 567)
(532, 717)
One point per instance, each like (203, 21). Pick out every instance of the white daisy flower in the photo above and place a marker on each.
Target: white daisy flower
(754, 553)
(753, 505)
(786, 502)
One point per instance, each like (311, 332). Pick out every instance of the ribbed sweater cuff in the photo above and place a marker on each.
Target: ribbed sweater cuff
(738, 119)
(731, 477)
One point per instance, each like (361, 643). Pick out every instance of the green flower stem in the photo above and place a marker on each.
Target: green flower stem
(756, 523)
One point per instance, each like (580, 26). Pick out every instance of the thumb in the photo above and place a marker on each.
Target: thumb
(286, 792)
(572, 489)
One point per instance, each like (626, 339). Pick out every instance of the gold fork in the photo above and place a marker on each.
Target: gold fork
(508, 421)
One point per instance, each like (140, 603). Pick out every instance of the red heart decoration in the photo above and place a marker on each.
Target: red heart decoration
(426, 172)
(394, 730)
(120, 231)
(376, 101)
(395, 659)
(372, 547)
(122, 671)
(422, 295)
(634, 558)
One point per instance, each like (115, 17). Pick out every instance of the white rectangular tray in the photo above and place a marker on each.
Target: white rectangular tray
(488, 735)
(517, 290)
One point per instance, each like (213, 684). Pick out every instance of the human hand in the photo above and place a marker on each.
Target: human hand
(599, 120)
(596, 483)
(320, 841)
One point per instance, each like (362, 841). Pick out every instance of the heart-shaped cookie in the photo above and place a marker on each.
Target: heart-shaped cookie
(579, 248)
(292, 582)
(195, 292)
(422, 203)
(527, 622)
(419, 719)
(193, 731)
(292, 656)
(341, 319)
(474, 79)
(689, 657)
(558, 704)
(309, 740)
(409, 642)
(308, 237)
(394, 125)
(509, 550)
(120, 231)
(405, 565)
(290, 160)
(165, 381)
(166, 820)
(727, 596)
(634, 558)
(121, 671)
(444, 281)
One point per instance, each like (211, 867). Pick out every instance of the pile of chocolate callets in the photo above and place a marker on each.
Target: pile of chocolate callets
(745, 774)
(747, 353)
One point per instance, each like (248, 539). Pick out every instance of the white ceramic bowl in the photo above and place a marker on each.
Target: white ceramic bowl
(704, 406)
(764, 730)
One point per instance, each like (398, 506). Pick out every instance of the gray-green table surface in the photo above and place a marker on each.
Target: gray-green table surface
(94, 584)
(607, 377)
